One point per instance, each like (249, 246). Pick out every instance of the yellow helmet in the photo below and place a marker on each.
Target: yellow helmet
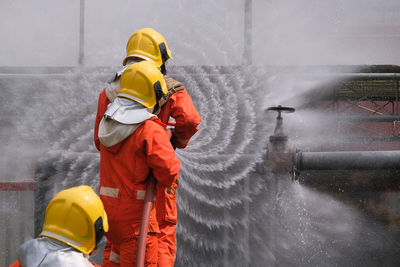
(149, 45)
(76, 217)
(143, 82)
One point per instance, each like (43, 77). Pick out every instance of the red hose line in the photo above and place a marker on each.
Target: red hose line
(144, 224)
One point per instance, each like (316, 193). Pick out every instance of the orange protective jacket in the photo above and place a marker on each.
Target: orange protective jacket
(180, 107)
(17, 264)
(125, 167)
(101, 109)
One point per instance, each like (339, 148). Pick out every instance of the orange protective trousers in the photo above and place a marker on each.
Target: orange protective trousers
(181, 108)
(121, 248)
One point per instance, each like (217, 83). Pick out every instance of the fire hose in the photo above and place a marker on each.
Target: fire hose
(147, 206)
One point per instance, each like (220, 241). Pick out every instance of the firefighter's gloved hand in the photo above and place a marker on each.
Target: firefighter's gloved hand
(173, 140)
(178, 142)
(171, 136)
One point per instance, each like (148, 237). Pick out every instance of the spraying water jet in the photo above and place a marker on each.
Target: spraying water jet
(280, 155)
(283, 157)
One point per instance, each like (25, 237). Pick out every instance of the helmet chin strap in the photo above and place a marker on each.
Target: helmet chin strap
(164, 57)
(99, 233)
(156, 109)
(163, 69)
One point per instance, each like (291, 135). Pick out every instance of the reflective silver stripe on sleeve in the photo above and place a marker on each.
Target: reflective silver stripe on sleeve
(109, 191)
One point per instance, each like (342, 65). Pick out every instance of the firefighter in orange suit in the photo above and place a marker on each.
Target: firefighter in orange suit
(75, 222)
(180, 107)
(147, 44)
(133, 145)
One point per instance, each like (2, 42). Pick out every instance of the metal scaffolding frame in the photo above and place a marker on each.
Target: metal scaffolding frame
(361, 98)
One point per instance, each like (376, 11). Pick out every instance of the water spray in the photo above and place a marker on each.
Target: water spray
(284, 158)
(280, 154)
(279, 139)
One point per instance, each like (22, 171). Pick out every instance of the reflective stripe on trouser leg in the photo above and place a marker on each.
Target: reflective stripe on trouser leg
(113, 192)
(114, 257)
(107, 260)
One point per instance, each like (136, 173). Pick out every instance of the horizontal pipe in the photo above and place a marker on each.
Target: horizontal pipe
(370, 76)
(364, 139)
(348, 160)
(351, 76)
(368, 118)
(18, 186)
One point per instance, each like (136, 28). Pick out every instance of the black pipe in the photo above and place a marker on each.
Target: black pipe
(348, 160)
(348, 75)
(367, 118)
